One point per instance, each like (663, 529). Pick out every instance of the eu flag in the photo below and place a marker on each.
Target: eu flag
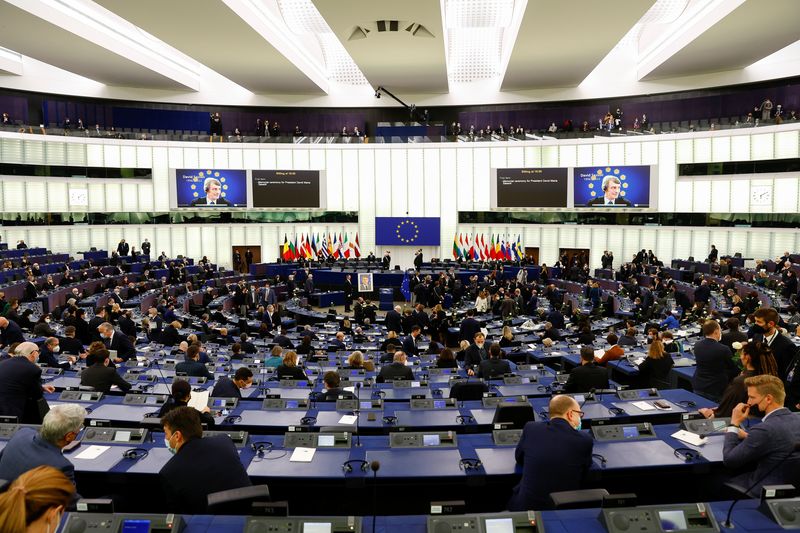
(407, 231)
(405, 287)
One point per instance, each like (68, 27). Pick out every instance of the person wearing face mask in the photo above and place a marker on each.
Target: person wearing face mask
(231, 388)
(117, 341)
(29, 448)
(21, 384)
(554, 455)
(768, 451)
(715, 367)
(765, 329)
(49, 354)
(43, 328)
(35, 501)
(475, 353)
(186, 487)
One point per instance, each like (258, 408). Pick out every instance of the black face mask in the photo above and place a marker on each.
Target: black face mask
(758, 329)
(756, 412)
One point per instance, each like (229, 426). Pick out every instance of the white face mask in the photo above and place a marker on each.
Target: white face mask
(47, 320)
(56, 349)
(172, 450)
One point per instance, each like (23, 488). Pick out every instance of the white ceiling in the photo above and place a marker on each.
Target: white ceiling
(247, 52)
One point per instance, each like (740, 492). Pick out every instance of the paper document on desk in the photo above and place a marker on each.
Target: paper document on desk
(689, 437)
(348, 419)
(199, 400)
(644, 406)
(92, 452)
(598, 354)
(302, 455)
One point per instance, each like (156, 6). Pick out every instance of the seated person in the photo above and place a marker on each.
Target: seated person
(397, 369)
(275, 358)
(29, 448)
(356, 361)
(586, 336)
(226, 387)
(332, 391)
(588, 376)
(200, 466)
(554, 455)
(181, 394)
(289, 369)
(495, 366)
(628, 338)
(101, 376)
(68, 343)
(192, 365)
(391, 338)
(507, 340)
(550, 332)
(337, 343)
(654, 370)
(305, 347)
(36, 501)
(614, 353)
(236, 351)
(669, 342)
(447, 359)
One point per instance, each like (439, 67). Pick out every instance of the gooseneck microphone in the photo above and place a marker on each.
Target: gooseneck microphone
(374, 466)
(728, 523)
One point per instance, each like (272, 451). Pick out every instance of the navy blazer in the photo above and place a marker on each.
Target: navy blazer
(122, 344)
(409, 346)
(225, 388)
(394, 371)
(715, 368)
(194, 368)
(767, 444)
(102, 377)
(11, 334)
(554, 457)
(202, 466)
(27, 450)
(20, 386)
(469, 327)
(394, 321)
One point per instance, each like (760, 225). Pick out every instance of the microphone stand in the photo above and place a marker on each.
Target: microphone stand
(374, 466)
(357, 412)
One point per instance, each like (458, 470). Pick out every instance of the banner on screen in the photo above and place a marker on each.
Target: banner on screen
(210, 188)
(407, 231)
(287, 188)
(612, 186)
(530, 187)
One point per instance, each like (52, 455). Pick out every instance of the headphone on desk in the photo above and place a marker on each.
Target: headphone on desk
(687, 403)
(616, 411)
(544, 388)
(465, 419)
(687, 454)
(154, 414)
(232, 419)
(135, 453)
(261, 447)
(347, 466)
(470, 463)
(600, 457)
(308, 420)
(390, 420)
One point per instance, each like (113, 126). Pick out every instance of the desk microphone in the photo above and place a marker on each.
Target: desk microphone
(357, 412)
(728, 523)
(374, 466)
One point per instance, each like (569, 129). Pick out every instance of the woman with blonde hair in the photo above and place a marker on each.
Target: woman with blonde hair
(654, 370)
(289, 368)
(482, 302)
(35, 501)
(507, 340)
(355, 361)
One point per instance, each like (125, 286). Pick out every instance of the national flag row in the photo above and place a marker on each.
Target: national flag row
(479, 247)
(309, 246)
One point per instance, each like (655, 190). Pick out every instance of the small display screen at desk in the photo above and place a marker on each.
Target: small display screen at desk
(630, 432)
(219, 403)
(143, 377)
(151, 400)
(438, 404)
(365, 405)
(317, 527)
(325, 440)
(644, 394)
(430, 440)
(718, 425)
(135, 526)
(86, 397)
(580, 398)
(122, 436)
(499, 525)
(291, 404)
(672, 520)
(302, 383)
(447, 371)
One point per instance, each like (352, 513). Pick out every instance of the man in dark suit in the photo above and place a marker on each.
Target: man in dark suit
(31, 291)
(418, 260)
(247, 346)
(126, 324)
(554, 455)
(192, 365)
(681, 300)
(115, 296)
(332, 390)
(386, 262)
(397, 369)
(48, 351)
(588, 376)
(394, 320)
(348, 293)
(611, 186)
(283, 340)
(226, 387)
(100, 316)
(410, 343)
(495, 366)
(117, 341)
(123, 247)
(267, 296)
(200, 466)
(713, 254)
(10, 332)
(213, 190)
(715, 367)
(337, 343)
(308, 285)
(768, 451)
(702, 293)
(469, 327)
(475, 353)
(101, 377)
(146, 247)
(29, 448)
(68, 343)
(766, 330)
(21, 384)
(733, 334)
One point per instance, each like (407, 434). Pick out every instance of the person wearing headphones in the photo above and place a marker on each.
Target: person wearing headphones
(611, 186)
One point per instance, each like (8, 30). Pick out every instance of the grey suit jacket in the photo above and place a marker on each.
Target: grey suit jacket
(771, 448)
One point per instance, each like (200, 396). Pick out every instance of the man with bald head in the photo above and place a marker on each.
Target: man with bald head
(554, 456)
